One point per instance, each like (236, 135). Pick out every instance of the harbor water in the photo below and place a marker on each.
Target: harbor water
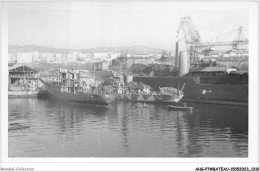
(58, 129)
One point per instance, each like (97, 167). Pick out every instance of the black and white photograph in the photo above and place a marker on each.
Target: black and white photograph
(140, 80)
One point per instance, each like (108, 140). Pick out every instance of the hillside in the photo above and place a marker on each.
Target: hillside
(12, 49)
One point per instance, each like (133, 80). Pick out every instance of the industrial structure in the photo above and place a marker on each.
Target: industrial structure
(189, 39)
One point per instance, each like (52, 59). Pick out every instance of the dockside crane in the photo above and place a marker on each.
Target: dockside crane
(238, 43)
(188, 34)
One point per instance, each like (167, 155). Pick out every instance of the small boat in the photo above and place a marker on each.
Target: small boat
(142, 105)
(180, 108)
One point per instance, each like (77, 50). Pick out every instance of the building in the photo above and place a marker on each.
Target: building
(235, 53)
(115, 55)
(76, 81)
(64, 59)
(140, 55)
(73, 57)
(87, 55)
(28, 57)
(25, 57)
(45, 56)
(23, 78)
(101, 55)
(157, 55)
(139, 60)
(100, 65)
(35, 56)
(55, 58)
(12, 58)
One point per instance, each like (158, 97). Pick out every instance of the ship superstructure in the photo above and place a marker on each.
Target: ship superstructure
(74, 87)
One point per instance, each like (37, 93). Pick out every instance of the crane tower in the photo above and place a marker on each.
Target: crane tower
(188, 35)
(188, 39)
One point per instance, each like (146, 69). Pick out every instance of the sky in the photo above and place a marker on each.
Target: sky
(112, 24)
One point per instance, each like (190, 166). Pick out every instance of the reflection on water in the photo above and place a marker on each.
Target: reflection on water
(126, 130)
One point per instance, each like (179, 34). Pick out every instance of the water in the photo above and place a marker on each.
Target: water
(124, 130)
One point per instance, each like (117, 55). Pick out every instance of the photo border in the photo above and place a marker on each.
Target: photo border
(142, 164)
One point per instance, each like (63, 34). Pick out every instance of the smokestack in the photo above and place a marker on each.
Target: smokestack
(177, 55)
(184, 66)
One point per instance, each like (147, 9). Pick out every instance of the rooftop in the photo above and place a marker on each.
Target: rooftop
(23, 68)
(210, 69)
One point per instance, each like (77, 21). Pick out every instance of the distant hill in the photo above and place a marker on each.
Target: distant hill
(28, 48)
(12, 49)
(132, 49)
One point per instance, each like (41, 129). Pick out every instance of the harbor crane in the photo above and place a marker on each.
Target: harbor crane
(188, 34)
(237, 44)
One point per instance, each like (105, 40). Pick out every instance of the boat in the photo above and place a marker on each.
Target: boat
(147, 95)
(142, 105)
(210, 85)
(153, 98)
(70, 89)
(180, 108)
(54, 91)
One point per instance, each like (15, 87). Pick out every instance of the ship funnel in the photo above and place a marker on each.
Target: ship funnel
(184, 63)
(177, 55)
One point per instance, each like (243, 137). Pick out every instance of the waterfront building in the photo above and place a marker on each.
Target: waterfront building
(23, 78)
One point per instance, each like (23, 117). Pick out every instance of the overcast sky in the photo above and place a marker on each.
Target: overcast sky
(111, 24)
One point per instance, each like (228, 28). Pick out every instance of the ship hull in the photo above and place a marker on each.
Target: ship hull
(99, 99)
(213, 93)
(149, 98)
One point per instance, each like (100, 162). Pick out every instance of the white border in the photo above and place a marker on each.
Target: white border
(133, 164)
